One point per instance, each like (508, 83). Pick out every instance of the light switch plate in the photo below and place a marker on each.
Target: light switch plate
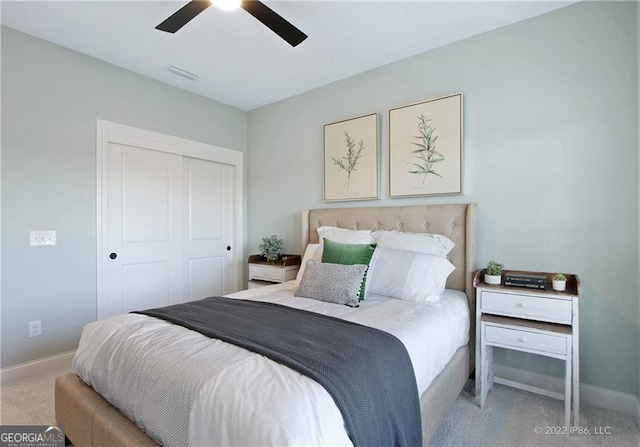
(42, 238)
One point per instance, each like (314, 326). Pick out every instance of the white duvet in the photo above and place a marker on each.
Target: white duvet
(184, 388)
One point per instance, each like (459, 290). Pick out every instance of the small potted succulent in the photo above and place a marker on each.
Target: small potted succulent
(271, 248)
(493, 273)
(559, 282)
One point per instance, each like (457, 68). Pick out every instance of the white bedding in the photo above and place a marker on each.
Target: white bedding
(188, 388)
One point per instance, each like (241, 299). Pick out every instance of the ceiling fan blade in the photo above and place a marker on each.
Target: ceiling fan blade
(183, 15)
(274, 21)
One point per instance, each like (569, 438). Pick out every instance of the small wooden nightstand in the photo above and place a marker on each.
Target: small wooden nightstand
(263, 272)
(538, 321)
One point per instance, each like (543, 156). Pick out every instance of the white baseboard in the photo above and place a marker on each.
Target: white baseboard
(595, 395)
(36, 367)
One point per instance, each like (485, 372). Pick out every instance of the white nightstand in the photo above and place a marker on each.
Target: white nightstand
(262, 273)
(542, 322)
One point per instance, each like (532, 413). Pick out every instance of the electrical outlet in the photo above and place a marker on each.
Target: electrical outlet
(35, 328)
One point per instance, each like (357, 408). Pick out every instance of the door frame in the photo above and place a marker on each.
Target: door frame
(110, 132)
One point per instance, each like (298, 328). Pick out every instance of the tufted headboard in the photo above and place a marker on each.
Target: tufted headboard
(456, 221)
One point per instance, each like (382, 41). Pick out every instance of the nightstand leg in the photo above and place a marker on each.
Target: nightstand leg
(575, 359)
(568, 385)
(490, 368)
(478, 390)
(483, 374)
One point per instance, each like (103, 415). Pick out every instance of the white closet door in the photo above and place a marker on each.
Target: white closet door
(145, 199)
(209, 199)
(170, 220)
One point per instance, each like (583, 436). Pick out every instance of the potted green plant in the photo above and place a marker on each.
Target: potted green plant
(271, 248)
(493, 273)
(559, 282)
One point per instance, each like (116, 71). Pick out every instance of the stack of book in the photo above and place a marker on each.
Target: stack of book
(525, 280)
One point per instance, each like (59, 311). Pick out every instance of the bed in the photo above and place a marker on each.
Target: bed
(90, 420)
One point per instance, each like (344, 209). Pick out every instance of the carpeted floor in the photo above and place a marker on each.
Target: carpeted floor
(30, 401)
(517, 418)
(511, 418)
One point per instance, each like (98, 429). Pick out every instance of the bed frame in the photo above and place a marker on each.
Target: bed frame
(89, 420)
(458, 223)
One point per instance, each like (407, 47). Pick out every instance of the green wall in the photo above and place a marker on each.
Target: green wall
(638, 136)
(551, 158)
(551, 111)
(51, 99)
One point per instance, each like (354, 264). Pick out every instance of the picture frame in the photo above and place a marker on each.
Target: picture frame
(351, 165)
(425, 148)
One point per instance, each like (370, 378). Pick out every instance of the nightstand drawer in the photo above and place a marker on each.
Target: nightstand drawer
(529, 307)
(266, 273)
(254, 284)
(525, 340)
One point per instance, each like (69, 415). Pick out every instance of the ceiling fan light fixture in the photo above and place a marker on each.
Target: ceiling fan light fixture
(227, 5)
(267, 16)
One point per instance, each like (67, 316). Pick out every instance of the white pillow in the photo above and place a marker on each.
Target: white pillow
(346, 236)
(408, 275)
(434, 244)
(313, 251)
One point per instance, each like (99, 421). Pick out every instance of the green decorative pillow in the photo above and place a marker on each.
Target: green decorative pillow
(348, 254)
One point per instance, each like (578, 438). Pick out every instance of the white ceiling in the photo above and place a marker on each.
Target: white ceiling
(240, 61)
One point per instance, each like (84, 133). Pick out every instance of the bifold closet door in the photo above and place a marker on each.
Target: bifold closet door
(169, 229)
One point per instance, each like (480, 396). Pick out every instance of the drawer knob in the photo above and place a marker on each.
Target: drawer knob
(522, 339)
(523, 305)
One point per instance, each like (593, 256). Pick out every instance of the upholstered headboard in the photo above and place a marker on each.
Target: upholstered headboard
(456, 221)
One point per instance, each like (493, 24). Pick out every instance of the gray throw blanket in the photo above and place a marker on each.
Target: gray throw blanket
(367, 372)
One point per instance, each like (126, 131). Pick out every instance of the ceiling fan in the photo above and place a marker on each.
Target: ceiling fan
(257, 9)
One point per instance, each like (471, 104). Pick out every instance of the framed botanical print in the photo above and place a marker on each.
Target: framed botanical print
(425, 148)
(351, 159)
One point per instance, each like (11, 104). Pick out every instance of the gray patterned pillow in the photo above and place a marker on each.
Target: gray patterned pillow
(334, 283)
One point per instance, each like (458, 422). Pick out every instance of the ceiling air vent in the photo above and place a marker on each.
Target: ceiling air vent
(184, 73)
